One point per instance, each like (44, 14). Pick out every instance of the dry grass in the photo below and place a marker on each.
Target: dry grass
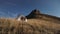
(33, 26)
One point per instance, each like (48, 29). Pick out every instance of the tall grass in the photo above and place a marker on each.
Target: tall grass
(33, 26)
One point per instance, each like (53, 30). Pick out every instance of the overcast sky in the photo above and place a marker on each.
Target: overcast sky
(10, 8)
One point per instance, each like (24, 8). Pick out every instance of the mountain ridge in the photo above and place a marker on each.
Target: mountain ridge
(37, 23)
(36, 13)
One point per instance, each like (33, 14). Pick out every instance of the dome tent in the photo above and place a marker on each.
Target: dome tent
(21, 18)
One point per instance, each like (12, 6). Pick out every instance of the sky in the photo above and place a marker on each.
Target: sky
(11, 8)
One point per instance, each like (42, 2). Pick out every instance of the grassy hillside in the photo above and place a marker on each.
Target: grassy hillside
(33, 26)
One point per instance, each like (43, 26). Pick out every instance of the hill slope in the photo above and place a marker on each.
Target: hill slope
(37, 23)
(33, 26)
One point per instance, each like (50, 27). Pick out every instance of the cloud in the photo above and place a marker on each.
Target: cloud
(10, 3)
(7, 3)
(11, 14)
(3, 14)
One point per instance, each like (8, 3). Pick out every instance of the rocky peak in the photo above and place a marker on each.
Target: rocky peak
(34, 14)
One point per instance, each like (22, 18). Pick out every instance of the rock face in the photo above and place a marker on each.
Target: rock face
(34, 14)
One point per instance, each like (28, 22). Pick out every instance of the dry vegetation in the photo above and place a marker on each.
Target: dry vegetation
(33, 26)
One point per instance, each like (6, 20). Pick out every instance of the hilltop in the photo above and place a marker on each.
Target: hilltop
(37, 14)
(37, 23)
